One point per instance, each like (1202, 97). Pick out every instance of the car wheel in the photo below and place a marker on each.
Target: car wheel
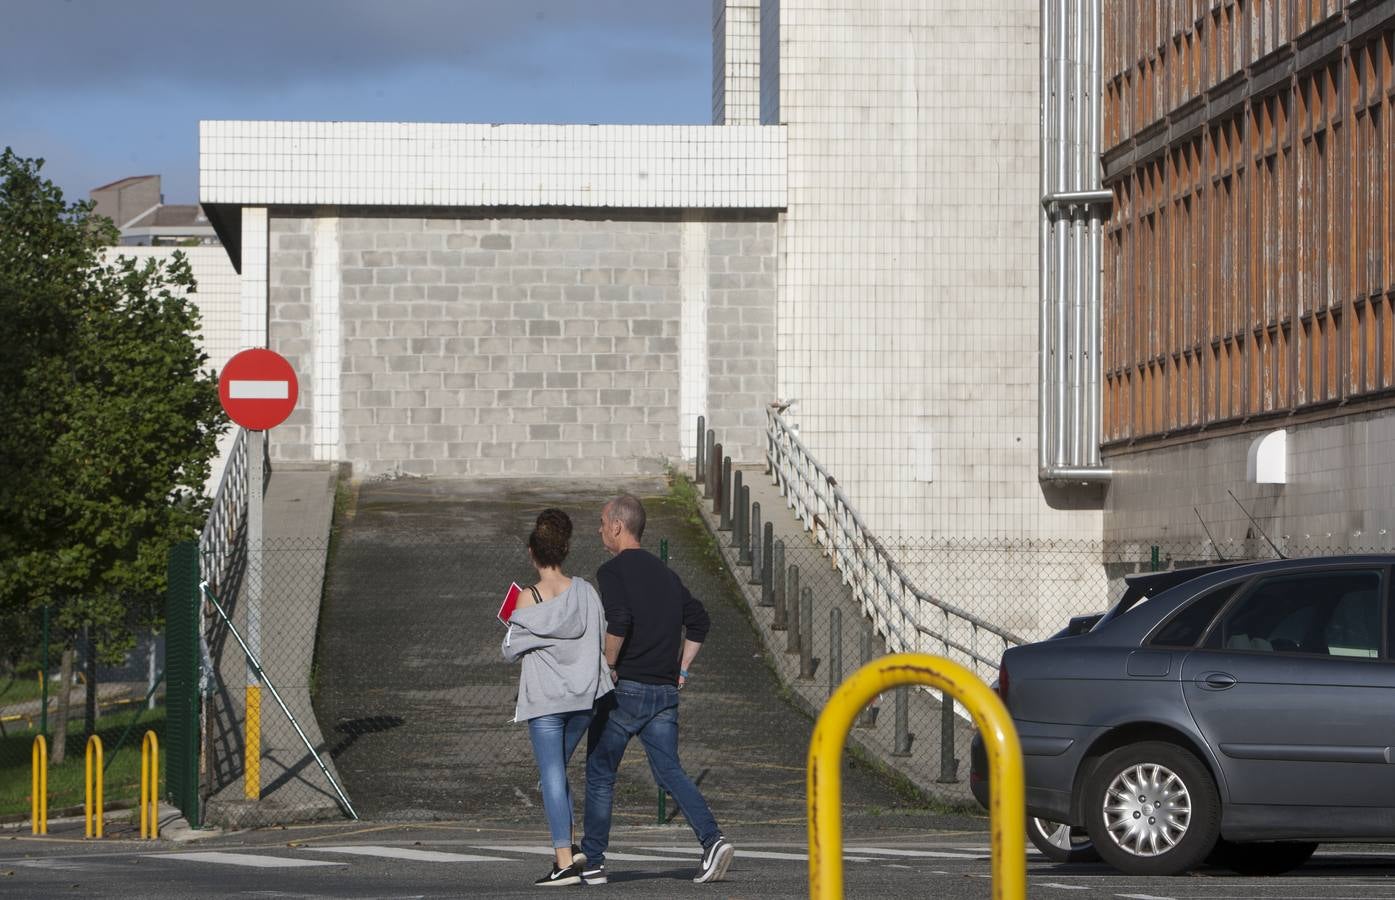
(1061, 843)
(1152, 809)
(1273, 858)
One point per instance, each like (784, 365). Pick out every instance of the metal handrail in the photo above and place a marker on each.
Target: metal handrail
(898, 608)
(223, 531)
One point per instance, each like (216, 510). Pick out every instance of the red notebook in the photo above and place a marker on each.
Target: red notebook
(510, 603)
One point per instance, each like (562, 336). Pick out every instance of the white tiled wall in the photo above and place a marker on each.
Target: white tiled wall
(908, 275)
(736, 62)
(454, 165)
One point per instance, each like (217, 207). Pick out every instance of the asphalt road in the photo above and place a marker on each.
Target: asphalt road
(447, 859)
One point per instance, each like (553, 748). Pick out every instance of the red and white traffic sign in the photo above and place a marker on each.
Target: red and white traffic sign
(258, 388)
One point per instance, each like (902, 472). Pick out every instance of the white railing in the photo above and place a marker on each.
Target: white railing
(909, 618)
(225, 530)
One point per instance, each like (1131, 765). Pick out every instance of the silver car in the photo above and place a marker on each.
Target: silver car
(1237, 714)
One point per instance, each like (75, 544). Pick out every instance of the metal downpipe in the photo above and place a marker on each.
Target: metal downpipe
(1044, 251)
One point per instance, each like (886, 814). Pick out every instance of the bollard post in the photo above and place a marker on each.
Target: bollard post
(150, 786)
(792, 612)
(714, 463)
(743, 550)
(92, 788)
(903, 724)
(949, 766)
(806, 637)
(753, 544)
(835, 649)
(38, 792)
(737, 509)
(698, 467)
(867, 718)
(767, 566)
(716, 472)
(781, 576)
(723, 499)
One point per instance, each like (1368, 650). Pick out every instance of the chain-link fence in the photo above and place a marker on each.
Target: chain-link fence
(385, 647)
(117, 701)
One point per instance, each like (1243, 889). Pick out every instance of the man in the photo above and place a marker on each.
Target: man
(654, 630)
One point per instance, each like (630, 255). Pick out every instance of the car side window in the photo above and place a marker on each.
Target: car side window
(1188, 624)
(1335, 613)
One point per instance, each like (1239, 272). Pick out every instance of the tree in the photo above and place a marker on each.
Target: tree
(108, 416)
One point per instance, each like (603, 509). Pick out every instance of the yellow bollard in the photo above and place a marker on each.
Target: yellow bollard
(38, 797)
(92, 784)
(1007, 810)
(252, 747)
(150, 786)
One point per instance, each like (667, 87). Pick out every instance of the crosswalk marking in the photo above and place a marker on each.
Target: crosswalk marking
(921, 854)
(548, 851)
(250, 860)
(743, 853)
(406, 853)
(45, 864)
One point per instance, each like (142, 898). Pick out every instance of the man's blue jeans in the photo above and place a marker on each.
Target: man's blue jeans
(651, 712)
(554, 738)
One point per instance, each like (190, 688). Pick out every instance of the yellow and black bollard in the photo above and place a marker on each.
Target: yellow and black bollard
(150, 786)
(1007, 805)
(38, 797)
(92, 784)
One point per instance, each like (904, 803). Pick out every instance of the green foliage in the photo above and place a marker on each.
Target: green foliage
(108, 418)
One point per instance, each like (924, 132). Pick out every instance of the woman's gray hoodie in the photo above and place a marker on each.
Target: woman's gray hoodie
(561, 643)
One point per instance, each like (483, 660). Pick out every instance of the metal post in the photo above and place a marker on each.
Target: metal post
(903, 723)
(781, 577)
(743, 550)
(698, 465)
(738, 509)
(767, 566)
(949, 765)
(723, 499)
(753, 543)
(806, 637)
(662, 811)
(716, 472)
(252, 591)
(713, 460)
(792, 612)
(1155, 559)
(835, 649)
(868, 717)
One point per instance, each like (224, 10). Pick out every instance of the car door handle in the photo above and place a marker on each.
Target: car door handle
(1217, 681)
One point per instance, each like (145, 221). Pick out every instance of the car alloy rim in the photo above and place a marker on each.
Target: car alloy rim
(1058, 834)
(1147, 810)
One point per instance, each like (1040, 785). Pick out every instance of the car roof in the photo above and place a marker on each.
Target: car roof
(1145, 585)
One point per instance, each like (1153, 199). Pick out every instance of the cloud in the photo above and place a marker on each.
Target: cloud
(57, 45)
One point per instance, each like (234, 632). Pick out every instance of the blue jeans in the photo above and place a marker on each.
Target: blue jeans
(650, 711)
(554, 738)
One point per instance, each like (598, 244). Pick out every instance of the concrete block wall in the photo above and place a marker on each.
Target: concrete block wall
(1339, 494)
(521, 346)
(741, 334)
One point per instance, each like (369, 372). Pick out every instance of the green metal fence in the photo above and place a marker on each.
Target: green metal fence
(181, 744)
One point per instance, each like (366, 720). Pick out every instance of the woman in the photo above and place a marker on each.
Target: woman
(557, 630)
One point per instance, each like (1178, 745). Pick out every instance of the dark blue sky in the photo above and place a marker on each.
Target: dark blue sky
(103, 89)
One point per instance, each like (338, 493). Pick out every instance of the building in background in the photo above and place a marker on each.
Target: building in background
(152, 229)
(138, 209)
(1249, 276)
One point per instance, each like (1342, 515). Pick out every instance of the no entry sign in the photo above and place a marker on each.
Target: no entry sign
(258, 389)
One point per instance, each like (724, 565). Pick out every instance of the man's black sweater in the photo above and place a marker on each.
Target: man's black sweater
(647, 605)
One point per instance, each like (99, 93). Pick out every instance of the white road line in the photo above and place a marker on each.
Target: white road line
(248, 389)
(244, 859)
(45, 864)
(924, 854)
(406, 853)
(548, 851)
(1144, 897)
(743, 853)
(1062, 887)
